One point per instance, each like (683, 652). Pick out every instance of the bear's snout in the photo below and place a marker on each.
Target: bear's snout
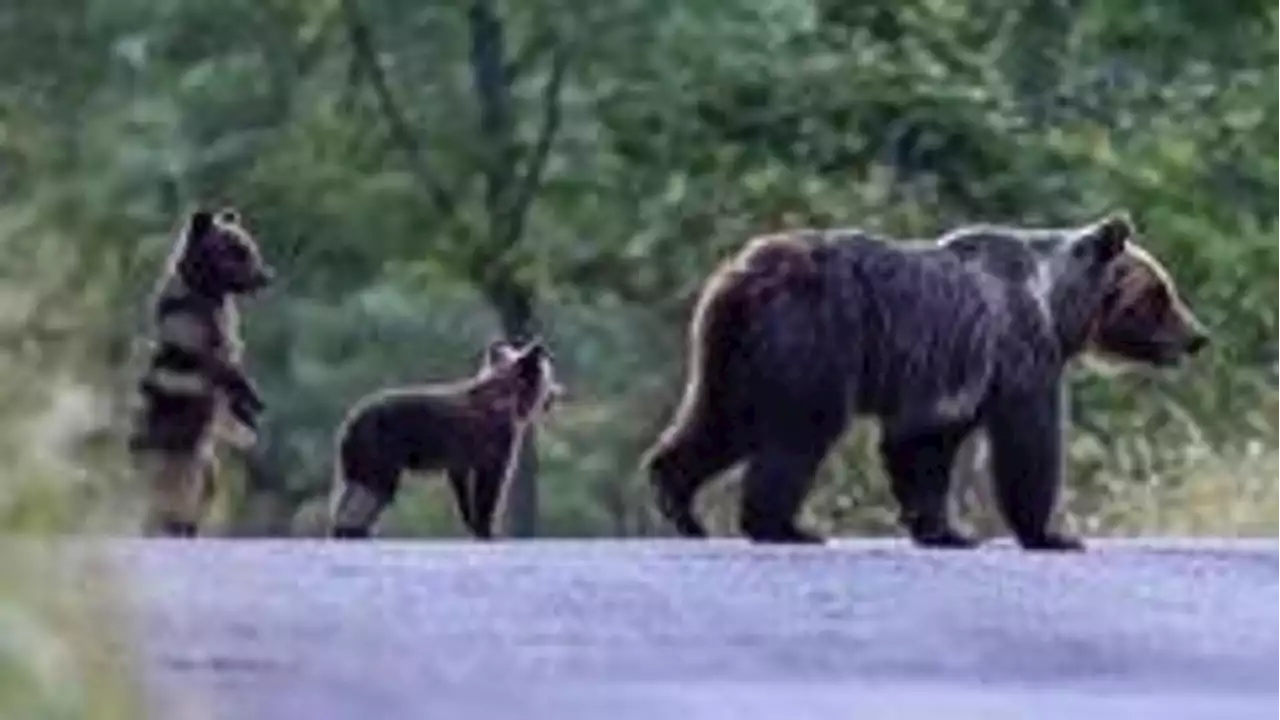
(1198, 342)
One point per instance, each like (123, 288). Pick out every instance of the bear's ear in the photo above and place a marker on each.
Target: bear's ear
(1108, 237)
(535, 348)
(199, 224)
(531, 357)
(497, 352)
(229, 216)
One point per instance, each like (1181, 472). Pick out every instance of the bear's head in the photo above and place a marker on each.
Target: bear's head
(1103, 294)
(1141, 318)
(528, 371)
(217, 256)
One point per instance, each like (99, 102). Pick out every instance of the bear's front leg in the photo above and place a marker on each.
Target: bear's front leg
(919, 466)
(1026, 432)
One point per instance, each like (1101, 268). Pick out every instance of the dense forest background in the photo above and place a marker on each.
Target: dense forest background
(427, 175)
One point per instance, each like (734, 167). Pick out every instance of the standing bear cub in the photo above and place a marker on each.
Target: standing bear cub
(802, 331)
(194, 391)
(471, 430)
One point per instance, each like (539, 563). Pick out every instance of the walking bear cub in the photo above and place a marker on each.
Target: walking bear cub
(194, 391)
(470, 430)
(801, 331)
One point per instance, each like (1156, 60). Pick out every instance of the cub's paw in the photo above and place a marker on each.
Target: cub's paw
(234, 432)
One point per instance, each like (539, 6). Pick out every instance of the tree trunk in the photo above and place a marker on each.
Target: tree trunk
(514, 305)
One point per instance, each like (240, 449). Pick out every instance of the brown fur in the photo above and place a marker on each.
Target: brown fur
(470, 429)
(194, 393)
(1143, 319)
(800, 332)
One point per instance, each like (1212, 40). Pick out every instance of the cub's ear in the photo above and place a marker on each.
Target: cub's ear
(497, 352)
(530, 358)
(229, 216)
(536, 347)
(1108, 237)
(199, 224)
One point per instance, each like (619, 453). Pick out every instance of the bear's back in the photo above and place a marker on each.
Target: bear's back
(926, 329)
(405, 423)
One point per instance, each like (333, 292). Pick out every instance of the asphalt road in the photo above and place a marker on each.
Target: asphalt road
(615, 630)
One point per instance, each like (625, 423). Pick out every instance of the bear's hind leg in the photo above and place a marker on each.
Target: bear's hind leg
(176, 480)
(774, 487)
(355, 509)
(680, 467)
(461, 481)
(1026, 448)
(919, 467)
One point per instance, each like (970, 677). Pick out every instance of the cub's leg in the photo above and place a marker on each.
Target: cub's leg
(356, 507)
(1027, 456)
(487, 481)
(366, 479)
(175, 489)
(919, 468)
(461, 481)
(208, 487)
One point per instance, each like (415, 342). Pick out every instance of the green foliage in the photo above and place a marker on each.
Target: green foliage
(381, 151)
(382, 170)
(59, 617)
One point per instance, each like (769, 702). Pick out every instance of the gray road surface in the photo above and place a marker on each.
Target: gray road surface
(614, 630)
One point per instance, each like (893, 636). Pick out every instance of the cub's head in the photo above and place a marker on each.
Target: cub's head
(528, 371)
(216, 256)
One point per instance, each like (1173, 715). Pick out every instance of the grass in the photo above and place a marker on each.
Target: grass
(64, 639)
(1219, 497)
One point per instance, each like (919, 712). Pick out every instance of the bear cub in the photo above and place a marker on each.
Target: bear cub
(194, 390)
(470, 430)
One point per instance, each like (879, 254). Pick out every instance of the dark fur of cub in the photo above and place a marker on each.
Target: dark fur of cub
(194, 390)
(470, 430)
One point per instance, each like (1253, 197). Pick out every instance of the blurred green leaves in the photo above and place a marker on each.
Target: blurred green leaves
(684, 128)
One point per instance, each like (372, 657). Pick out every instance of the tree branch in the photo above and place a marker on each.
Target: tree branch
(361, 38)
(542, 41)
(492, 87)
(536, 163)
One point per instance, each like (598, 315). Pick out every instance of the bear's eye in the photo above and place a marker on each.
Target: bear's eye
(1162, 302)
(1154, 304)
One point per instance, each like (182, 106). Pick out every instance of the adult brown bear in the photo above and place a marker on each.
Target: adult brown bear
(801, 331)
